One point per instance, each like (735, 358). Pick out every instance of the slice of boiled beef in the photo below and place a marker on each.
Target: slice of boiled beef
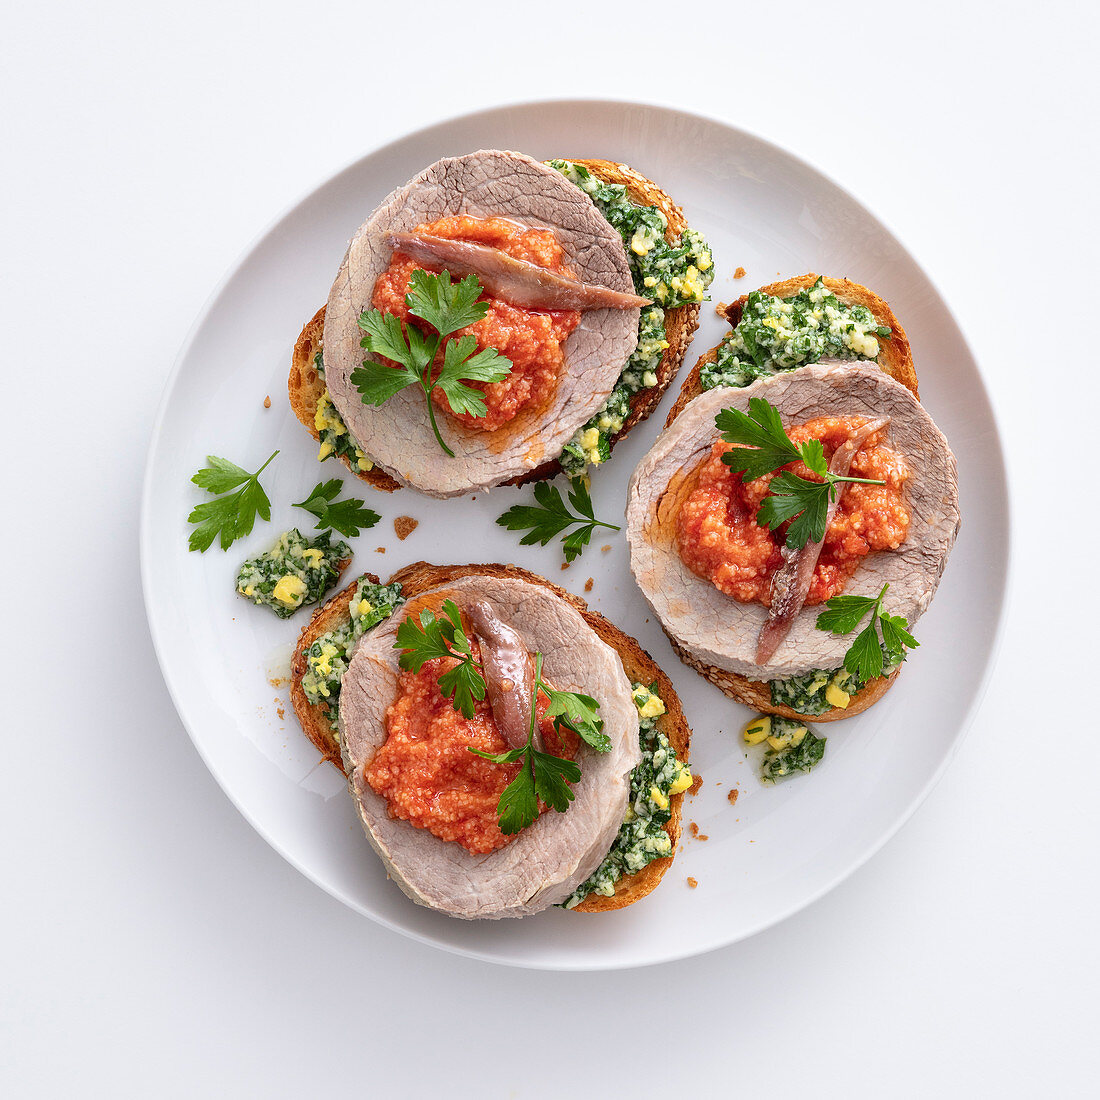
(546, 862)
(723, 632)
(397, 434)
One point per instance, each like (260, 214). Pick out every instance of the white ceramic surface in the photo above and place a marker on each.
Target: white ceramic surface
(777, 849)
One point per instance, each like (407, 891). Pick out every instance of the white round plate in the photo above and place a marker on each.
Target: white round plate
(778, 848)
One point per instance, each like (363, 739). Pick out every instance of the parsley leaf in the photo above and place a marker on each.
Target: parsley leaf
(763, 447)
(553, 774)
(346, 516)
(541, 775)
(232, 516)
(895, 633)
(577, 712)
(763, 444)
(431, 637)
(446, 306)
(843, 614)
(459, 361)
(550, 516)
(793, 496)
(864, 658)
(519, 804)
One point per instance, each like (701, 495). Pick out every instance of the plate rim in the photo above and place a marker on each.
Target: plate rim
(902, 817)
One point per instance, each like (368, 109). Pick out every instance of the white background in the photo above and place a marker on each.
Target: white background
(150, 943)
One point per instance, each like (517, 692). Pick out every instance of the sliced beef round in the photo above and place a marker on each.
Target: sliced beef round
(549, 859)
(397, 435)
(719, 630)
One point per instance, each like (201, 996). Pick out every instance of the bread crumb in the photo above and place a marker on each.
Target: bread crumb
(740, 273)
(380, 550)
(267, 402)
(604, 549)
(732, 796)
(404, 526)
(278, 681)
(693, 828)
(703, 836)
(696, 783)
(588, 584)
(280, 712)
(565, 565)
(692, 882)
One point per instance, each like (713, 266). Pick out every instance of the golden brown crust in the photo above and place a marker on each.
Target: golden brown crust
(637, 663)
(895, 354)
(757, 694)
(680, 325)
(305, 387)
(313, 717)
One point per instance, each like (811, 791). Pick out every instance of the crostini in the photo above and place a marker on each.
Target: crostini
(363, 705)
(561, 407)
(738, 589)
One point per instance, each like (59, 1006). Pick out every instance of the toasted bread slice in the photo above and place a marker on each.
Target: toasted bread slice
(314, 717)
(306, 387)
(895, 355)
(637, 663)
(757, 694)
(896, 359)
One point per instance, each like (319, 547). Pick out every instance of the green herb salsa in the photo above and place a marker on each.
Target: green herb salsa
(660, 775)
(779, 334)
(296, 571)
(815, 692)
(333, 432)
(672, 275)
(791, 746)
(327, 658)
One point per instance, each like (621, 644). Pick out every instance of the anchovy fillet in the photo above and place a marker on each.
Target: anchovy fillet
(509, 674)
(791, 581)
(503, 276)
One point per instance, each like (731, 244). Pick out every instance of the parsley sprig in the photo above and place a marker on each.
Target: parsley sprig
(550, 515)
(431, 637)
(763, 446)
(231, 516)
(446, 306)
(542, 775)
(843, 614)
(349, 517)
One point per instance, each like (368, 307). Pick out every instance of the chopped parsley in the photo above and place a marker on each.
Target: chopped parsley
(642, 837)
(779, 334)
(332, 432)
(791, 746)
(296, 571)
(327, 657)
(671, 274)
(804, 753)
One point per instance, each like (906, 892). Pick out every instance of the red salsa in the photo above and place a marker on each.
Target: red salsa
(427, 774)
(718, 537)
(531, 339)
